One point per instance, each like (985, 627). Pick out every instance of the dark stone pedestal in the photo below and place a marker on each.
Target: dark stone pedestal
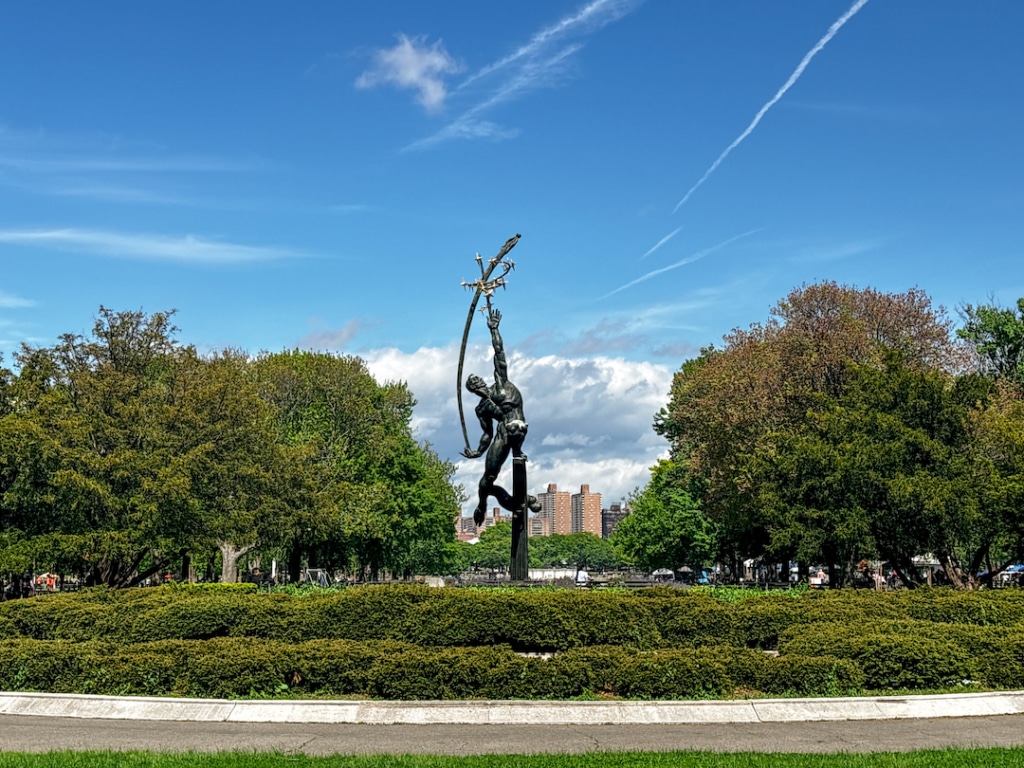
(519, 564)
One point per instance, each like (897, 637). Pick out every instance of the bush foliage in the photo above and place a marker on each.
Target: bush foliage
(405, 642)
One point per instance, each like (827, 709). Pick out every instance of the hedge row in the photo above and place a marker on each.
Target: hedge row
(524, 620)
(916, 655)
(236, 667)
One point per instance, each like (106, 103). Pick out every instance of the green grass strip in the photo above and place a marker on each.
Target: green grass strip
(949, 758)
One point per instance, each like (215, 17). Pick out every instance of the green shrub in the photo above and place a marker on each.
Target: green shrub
(1002, 608)
(1003, 667)
(898, 659)
(672, 674)
(226, 668)
(694, 621)
(811, 676)
(583, 671)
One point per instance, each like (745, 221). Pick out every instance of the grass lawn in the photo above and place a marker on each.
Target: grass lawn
(951, 758)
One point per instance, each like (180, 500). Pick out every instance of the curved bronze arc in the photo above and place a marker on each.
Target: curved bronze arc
(485, 276)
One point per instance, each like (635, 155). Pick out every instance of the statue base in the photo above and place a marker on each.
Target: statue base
(519, 564)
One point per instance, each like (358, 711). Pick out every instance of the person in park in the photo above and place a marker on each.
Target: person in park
(503, 423)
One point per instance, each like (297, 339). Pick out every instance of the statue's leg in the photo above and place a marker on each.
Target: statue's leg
(496, 455)
(484, 490)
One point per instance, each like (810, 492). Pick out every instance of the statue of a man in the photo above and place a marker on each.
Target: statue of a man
(503, 423)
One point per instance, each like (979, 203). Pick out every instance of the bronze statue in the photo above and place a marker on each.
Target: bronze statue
(502, 422)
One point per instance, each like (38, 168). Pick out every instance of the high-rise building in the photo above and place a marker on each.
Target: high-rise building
(586, 511)
(556, 508)
(495, 518)
(540, 526)
(465, 528)
(611, 517)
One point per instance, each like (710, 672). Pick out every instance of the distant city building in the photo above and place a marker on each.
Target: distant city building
(556, 508)
(611, 517)
(465, 528)
(496, 517)
(586, 511)
(561, 512)
(540, 526)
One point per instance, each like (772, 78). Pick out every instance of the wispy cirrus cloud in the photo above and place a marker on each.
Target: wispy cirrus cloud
(105, 168)
(589, 18)
(186, 248)
(10, 301)
(348, 208)
(836, 252)
(38, 162)
(331, 339)
(413, 64)
(539, 63)
(682, 262)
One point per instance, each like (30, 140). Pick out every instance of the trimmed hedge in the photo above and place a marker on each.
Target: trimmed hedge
(917, 655)
(242, 667)
(417, 642)
(541, 621)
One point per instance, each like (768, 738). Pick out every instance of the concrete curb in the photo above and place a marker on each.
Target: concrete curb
(512, 712)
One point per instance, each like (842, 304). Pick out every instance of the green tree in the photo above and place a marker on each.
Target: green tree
(890, 468)
(666, 528)
(238, 486)
(997, 336)
(493, 548)
(382, 500)
(731, 402)
(582, 550)
(83, 451)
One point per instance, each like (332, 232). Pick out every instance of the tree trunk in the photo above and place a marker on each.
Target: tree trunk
(230, 554)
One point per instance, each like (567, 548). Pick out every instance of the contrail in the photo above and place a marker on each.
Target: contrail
(661, 242)
(687, 260)
(615, 9)
(781, 92)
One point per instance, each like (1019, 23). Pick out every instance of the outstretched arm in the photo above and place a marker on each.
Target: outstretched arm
(485, 439)
(500, 363)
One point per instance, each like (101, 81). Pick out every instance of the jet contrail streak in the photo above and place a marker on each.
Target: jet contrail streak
(585, 14)
(779, 94)
(688, 260)
(661, 242)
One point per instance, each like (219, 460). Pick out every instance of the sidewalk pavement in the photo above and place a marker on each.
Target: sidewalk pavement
(513, 712)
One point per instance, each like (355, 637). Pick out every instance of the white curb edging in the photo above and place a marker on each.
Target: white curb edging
(512, 712)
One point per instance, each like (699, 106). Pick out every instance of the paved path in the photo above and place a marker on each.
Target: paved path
(29, 734)
(40, 722)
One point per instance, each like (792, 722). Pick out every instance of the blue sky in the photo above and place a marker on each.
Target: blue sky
(321, 175)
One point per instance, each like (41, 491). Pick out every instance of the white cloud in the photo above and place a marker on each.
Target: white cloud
(412, 64)
(533, 65)
(352, 208)
(590, 418)
(144, 246)
(589, 18)
(10, 301)
(836, 252)
(331, 339)
(682, 262)
(661, 242)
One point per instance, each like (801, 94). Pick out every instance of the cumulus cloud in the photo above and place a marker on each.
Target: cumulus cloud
(413, 64)
(590, 417)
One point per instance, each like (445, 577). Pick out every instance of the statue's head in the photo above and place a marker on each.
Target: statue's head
(476, 385)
